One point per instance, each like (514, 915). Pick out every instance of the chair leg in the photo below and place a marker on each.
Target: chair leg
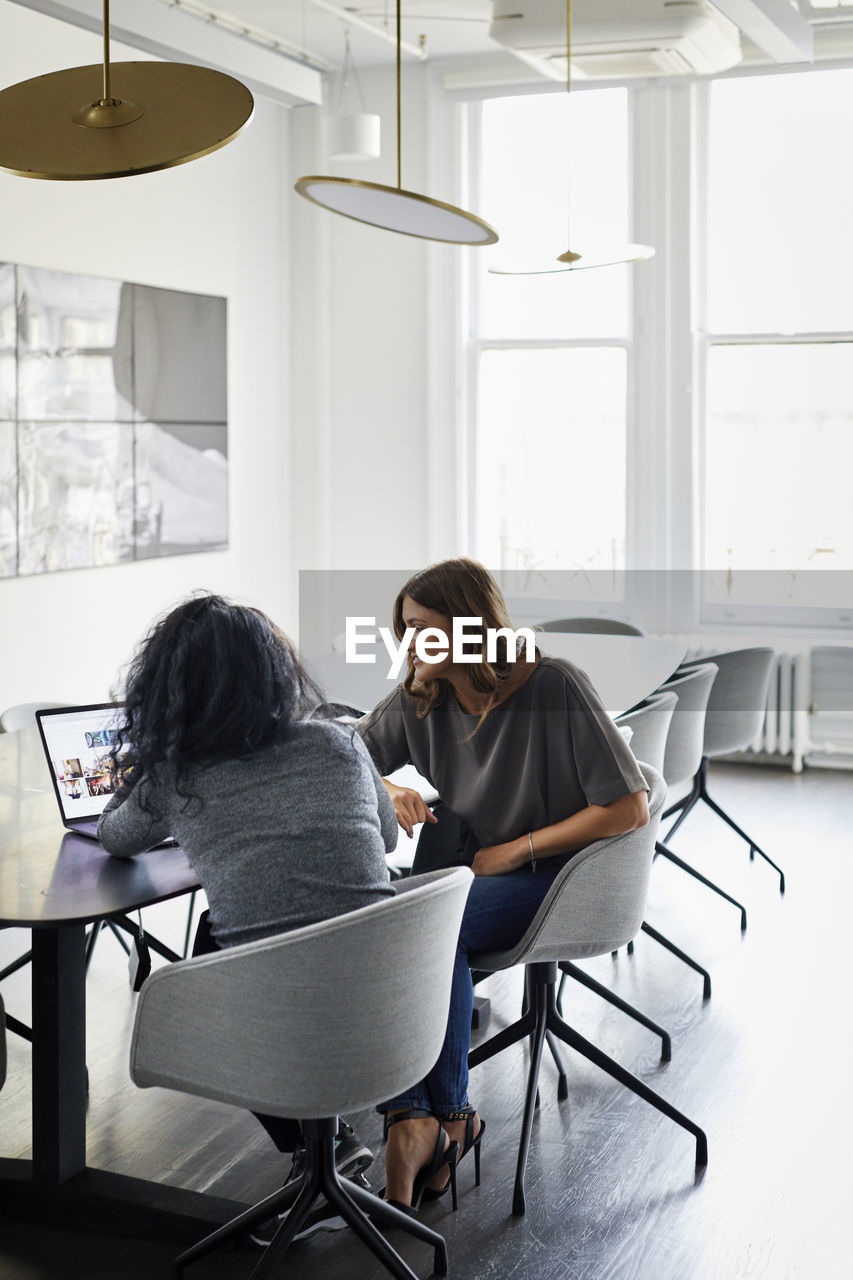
(595, 1055)
(562, 1078)
(530, 1099)
(240, 1226)
(682, 955)
(542, 992)
(190, 914)
(283, 1238)
(388, 1216)
(697, 875)
(355, 1205)
(16, 965)
(581, 976)
(525, 1026)
(721, 813)
(119, 937)
(20, 1028)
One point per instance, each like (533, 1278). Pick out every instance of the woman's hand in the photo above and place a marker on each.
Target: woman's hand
(496, 859)
(409, 806)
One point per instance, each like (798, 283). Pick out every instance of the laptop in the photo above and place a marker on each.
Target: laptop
(77, 742)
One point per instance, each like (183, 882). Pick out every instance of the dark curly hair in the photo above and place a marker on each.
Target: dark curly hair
(211, 681)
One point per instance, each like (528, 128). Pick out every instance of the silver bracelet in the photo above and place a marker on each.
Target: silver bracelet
(532, 854)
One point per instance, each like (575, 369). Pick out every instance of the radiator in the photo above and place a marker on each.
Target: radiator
(809, 703)
(785, 730)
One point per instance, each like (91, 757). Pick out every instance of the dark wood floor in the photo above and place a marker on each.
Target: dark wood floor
(612, 1194)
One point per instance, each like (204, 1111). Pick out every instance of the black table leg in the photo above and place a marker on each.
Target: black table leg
(56, 1186)
(59, 1053)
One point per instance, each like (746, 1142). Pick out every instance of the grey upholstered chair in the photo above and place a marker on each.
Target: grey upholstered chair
(683, 756)
(308, 1024)
(23, 714)
(598, 626)
(649, 724)
(594, 906)
(733, 721)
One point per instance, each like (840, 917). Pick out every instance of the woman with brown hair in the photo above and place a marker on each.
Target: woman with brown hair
(521, 750)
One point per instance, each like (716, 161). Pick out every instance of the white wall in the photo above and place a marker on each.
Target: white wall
(218, 225)
(360, 346)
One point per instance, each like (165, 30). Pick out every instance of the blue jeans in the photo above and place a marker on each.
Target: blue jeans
(498, 911)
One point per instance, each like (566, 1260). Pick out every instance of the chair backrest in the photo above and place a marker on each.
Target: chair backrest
(738, 698)
(23, 714)
(2, 1044)
(686, 737)
(596, 902)
(332, 1017)
(599, 626)
(649, 725)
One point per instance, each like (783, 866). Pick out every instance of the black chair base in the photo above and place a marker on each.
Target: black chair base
(540, 1018)
(667, 853)
(699, 791)
(682, 955)
(358, 1208)
(580, 975)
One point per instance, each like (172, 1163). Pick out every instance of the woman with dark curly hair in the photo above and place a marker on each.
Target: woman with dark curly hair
(284, 819)
(531, 769)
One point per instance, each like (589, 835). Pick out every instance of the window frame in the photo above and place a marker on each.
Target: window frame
(666, 417)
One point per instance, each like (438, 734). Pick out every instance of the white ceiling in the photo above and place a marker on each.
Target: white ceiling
(280, 48)
(455, 29)
(444, 28)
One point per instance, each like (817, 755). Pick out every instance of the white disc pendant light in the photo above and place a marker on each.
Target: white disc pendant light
(571, 259)
(393, 208)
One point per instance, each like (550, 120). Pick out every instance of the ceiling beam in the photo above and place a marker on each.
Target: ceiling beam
(178, 36)
(774, 25)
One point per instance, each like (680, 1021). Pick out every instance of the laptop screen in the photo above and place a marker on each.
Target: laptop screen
(77, 742)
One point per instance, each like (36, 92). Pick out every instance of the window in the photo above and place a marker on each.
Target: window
(551, 351)
(778, 439)
(693, 413)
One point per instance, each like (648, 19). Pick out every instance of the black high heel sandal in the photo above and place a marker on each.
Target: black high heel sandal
(470, 1143)
(441, 1156)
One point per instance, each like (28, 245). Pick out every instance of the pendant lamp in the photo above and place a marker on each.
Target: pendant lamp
(571, 260)
(68, 125)
(393, 208)
(353, 135)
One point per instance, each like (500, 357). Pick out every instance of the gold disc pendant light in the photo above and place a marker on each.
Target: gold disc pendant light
(393, 208)
(609, 256)
(68, 126)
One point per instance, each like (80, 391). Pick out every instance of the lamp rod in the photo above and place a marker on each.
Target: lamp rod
(399, 107)
(106, 50)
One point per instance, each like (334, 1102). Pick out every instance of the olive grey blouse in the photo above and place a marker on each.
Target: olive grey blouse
(544, 754)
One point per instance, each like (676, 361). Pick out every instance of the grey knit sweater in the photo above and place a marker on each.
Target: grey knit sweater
(291, 835)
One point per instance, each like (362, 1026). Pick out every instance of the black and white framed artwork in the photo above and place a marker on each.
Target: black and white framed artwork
(113, 422)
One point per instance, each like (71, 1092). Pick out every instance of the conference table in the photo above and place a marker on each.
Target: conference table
(623, 669)
(56, 885)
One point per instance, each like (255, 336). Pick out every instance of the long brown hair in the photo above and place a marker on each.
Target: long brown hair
(460, 588)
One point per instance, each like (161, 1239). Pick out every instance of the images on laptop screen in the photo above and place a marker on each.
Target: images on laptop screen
(79, 744)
